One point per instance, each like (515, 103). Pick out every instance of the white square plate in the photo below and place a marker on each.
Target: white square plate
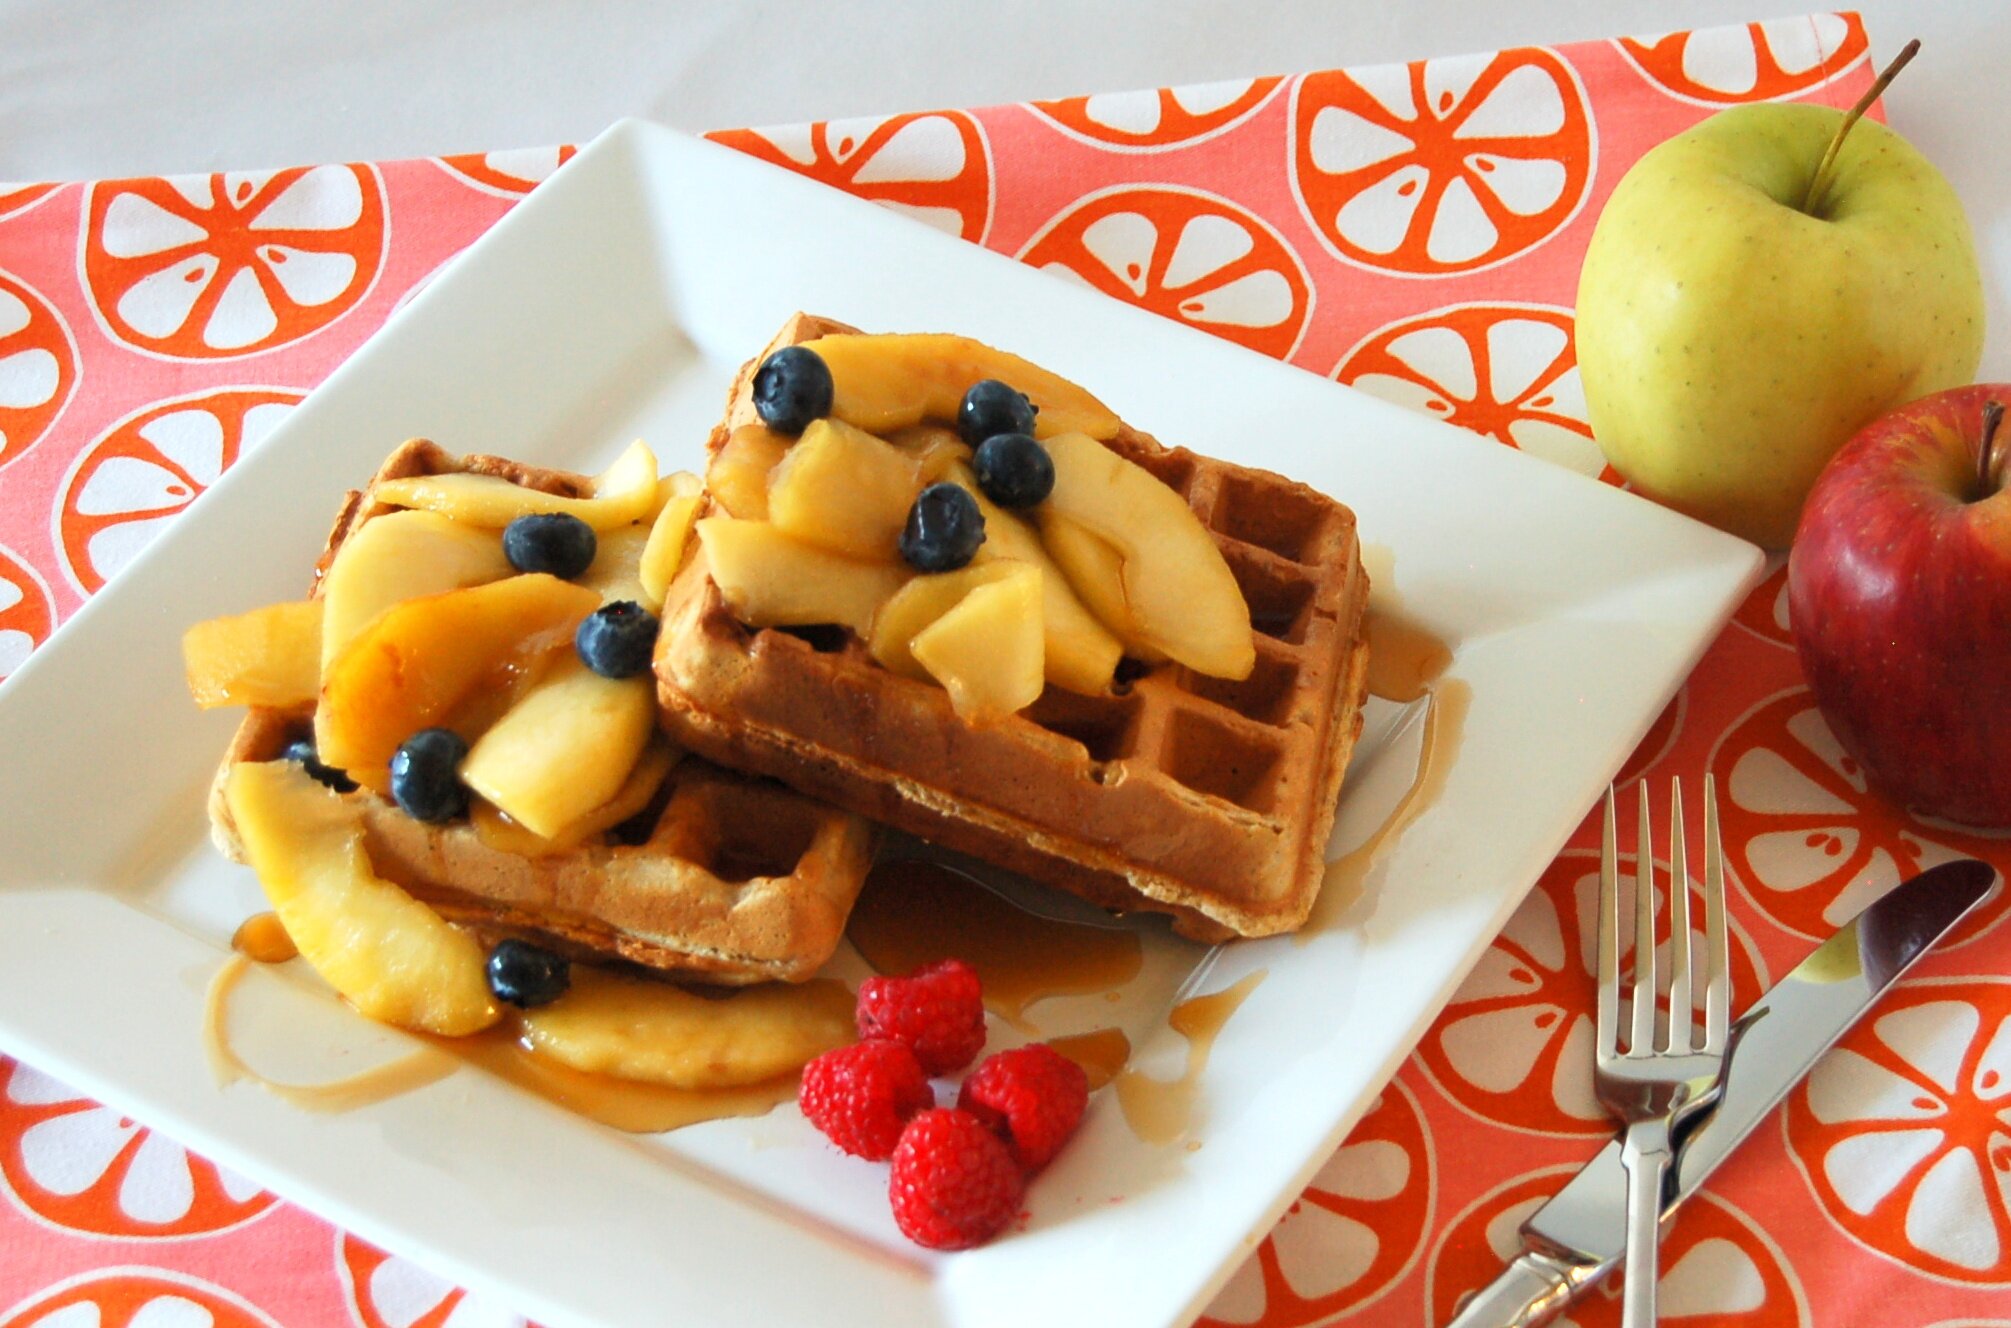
(615, 302)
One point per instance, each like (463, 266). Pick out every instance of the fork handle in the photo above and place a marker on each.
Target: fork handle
(1645, 1154)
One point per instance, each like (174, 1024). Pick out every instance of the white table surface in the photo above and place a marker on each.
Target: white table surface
(128, 87)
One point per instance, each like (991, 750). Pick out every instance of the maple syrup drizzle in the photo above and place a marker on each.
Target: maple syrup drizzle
(262, 939)
(912, 913)
(1404, 658)
(1102, 1053)
(1160, 1111)
(1444, 725)
(377, 1084)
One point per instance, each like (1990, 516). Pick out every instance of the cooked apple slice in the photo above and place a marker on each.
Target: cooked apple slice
(1177, 588)
(888, 381)
(399, 556)
(624, 492)
(845, 490)
(422, 659)
(669, 536)
(616, 571)
(389, 955)
(497, 830)
(987, 651)
(937, 450)
(268, 657)
(770, 579)
(566, 748)
(738, 476)
(1082, 653)
(918, 604)
(677, 484)
(632, 1028)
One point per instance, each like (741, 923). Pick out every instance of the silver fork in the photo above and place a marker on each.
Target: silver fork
(1651, 1086)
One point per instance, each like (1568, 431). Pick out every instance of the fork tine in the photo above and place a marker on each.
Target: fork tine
(1680, 1019)
(1642, 1001)
(1718, 985)
(1609, 937)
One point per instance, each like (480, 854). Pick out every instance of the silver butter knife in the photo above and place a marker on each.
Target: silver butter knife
(1577, 1237)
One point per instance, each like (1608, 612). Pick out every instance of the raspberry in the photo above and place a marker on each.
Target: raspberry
(938, 1010)
(860, 1096)
(1032, 1097)
(954, 1185)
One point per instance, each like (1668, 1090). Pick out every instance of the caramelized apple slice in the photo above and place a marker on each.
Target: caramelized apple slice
(1095, 571)
(669, 536)
(616, 571)
(389, 955)
(566, 748)
(632, 1028)
(737, 477)
(399, 556)
(268, 657)
(937, 450)
(770, 579)
(1178, 591)
(497, 830)
(918, 604)
(845, 490)
(1082, 653)
(987, 651)
(891, 380)
(420, 660)
(624, 492)
(677, 484)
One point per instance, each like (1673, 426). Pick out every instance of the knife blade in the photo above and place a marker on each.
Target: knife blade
(1576, 1238)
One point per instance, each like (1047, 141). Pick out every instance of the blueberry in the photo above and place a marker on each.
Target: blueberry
(1014, 470)
(425, 776)
(302, 751)
(791, 388)
(993, 407)
(528, 975)
(617, 639)
(550, 542)
(944, 529)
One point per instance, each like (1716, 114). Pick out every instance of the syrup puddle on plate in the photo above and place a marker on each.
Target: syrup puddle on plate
(1160, 1111)
(914, 912)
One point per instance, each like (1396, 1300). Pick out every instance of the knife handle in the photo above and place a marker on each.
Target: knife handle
(1532, 1290)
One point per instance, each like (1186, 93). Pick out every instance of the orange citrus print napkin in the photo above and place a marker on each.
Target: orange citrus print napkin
(1413, 230)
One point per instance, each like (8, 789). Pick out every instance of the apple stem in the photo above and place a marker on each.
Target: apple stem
(1993, 415)
(1820, 180)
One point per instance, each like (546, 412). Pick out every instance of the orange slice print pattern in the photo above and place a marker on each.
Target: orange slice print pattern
(1509, 371)
(1188, 255)
(27, 615)
(1155, 119)
(388, 1292)
(126, 486)
(20, 197)
(1904, 1131)
(83, 1167)
(38, 367)
(1807, 840)
(1719, 1269)
(1441, 166)
(136, 1298)
(1514, 1045)
(1765, 611)
(934, 165)
(1765, 61)
(215, 266)
(1352, 1234)
(511, 173)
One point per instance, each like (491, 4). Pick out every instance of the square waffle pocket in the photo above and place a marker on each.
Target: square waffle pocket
(724, 877)
(1206, 799)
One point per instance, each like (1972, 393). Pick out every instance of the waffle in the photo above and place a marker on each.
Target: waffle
(728, 878)
(1205, 799)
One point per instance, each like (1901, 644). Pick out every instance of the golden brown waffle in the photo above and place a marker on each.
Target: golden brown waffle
(1205, 799)
(736, 879)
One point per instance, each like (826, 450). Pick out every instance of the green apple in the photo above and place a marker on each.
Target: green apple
(1734, 332)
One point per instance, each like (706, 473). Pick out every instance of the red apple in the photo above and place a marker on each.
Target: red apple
(1899, 587)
